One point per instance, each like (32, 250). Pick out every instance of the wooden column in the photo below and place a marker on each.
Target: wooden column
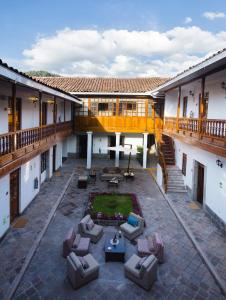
(178, 107)
(117, 107)
(40, 113)
(146, 114)
(14, 116)
(201, 105)
(64, 111)
(54, 113)
(89, 107)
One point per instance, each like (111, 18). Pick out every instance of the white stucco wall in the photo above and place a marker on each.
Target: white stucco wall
(4, 204)
(3, 116)
(72, 144)
(215, 177)
(217, 98)
(100, 144)
(134, 140)
(29, 110)
(59, 155)
(60, 110)
(171, 99)
(68, 111)
(29, 171)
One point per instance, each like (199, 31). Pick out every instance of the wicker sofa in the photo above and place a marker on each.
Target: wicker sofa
(94, 234)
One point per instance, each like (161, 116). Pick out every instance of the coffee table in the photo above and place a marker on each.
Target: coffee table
(116, 252)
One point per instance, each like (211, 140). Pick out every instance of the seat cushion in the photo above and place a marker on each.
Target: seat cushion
(76, 262)
(93, 266)
(143, 246)
(128, 228)
(77, 240)
(130, 265)
(84, 221)
(132, 221)
(83, 244)
(96, 230)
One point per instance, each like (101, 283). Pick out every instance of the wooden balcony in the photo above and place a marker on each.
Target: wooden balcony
(124, 124)
(208, 134)
(20, 146)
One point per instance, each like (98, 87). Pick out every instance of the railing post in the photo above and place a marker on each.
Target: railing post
(178, 108)
(40, 114)
(201, 107)
(14, 116)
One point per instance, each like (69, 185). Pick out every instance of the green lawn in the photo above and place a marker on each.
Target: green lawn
(111, 204)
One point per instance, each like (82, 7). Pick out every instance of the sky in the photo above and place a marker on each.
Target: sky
(110, 38)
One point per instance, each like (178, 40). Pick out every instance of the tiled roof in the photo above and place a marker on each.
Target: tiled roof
(5, 65)
(192, 67)
(103, 85)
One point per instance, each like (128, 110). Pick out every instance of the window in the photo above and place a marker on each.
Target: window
(185, 105)
(102, 107)
(44, 161)
(127, 108)
(184, 164)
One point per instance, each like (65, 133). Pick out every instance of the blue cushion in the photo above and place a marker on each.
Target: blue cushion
(132, 221)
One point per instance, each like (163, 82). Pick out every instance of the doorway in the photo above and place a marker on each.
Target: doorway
(199, 180)
(54, 158)
(14, 194)
(112, 143)
(82, 147)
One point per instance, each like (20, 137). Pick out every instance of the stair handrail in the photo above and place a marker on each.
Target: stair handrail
(162, 163)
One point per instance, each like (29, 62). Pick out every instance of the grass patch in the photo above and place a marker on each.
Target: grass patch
(111, 204)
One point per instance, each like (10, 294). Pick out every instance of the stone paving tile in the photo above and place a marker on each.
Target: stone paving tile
(18, 241)
(211, 239)
(182, 276)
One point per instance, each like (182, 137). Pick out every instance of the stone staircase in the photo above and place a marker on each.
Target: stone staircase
(167, 149)
(175, 182)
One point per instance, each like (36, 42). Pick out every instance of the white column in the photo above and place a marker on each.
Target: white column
(89, 149)
(117, 144)
(145, 149)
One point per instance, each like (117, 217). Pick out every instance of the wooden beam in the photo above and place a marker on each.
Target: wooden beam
(14, 114)
(64, 110)
(178, 106)
(40, 113)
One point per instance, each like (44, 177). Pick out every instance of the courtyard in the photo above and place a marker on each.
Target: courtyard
(183, 275)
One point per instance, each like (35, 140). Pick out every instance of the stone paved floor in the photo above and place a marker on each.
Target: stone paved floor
(182, 276)
(211, 239)
(17, 242)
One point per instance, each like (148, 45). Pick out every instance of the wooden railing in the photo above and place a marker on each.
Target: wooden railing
(205, 127)
(13, 141)
(130, 124)
(6, 143)
(27, 137)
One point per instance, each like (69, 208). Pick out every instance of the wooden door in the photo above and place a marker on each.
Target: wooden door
(54, 158)
(184, 164)
(185, 105)
(112, 143)
(200, 183)
(83, 146)
(14, 194)
(44, 113)
(11, 112)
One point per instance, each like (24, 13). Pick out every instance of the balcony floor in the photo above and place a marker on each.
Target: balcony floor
(182, 276)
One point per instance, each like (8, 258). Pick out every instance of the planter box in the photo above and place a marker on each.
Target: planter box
(19, 153)
(5, 159)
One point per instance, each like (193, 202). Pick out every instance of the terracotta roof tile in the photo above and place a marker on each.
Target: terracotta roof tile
(103, 85)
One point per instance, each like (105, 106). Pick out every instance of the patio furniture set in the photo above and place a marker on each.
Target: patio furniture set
(112, 175)
(82, 266)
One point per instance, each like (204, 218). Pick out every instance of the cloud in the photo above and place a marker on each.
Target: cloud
(121, 52)
(188, 20)
(210, 15)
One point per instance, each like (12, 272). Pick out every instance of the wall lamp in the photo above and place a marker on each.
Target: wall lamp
(219, 163)
(33, 99)
(191, 93)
